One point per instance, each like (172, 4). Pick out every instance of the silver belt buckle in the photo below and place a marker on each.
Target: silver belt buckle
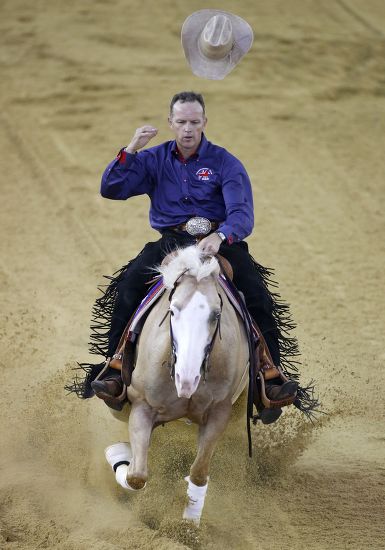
(198, 226)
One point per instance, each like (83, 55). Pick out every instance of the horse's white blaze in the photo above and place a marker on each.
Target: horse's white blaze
(191, 335)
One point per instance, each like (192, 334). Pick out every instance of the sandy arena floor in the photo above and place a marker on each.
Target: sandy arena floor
(305, 112)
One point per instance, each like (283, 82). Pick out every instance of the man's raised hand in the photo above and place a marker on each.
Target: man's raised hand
(141, 137)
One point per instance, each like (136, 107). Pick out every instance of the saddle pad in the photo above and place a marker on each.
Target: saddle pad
(146, 304)
(235, 302)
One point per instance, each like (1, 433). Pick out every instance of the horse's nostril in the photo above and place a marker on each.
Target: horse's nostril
(177, 377)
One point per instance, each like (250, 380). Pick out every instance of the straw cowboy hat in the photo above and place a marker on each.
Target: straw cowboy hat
(214, 41)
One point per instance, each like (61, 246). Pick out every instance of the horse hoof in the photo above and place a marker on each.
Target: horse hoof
(121, 478)
(136, 483)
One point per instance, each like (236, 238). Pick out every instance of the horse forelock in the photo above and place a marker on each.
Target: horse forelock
(189, 260)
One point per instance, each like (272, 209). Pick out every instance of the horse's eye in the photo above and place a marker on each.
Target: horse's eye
(214, 316)
(174, 310)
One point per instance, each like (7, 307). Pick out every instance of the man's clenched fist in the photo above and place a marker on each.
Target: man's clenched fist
(210, 244)
(141, 137)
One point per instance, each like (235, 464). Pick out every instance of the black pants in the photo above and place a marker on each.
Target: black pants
(132, 287)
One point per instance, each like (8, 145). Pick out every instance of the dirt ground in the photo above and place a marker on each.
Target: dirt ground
(305, 112)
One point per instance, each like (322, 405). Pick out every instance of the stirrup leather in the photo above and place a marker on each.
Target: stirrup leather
(116, 361)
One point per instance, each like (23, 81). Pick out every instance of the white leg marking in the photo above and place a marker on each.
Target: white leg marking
(196, 500)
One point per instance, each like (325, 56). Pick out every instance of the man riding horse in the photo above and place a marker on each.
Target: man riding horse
(225, 332)
(200, 193)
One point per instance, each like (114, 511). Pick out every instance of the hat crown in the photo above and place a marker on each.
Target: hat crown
(216, 39)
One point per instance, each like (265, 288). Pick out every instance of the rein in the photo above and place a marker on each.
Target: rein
(205, 363)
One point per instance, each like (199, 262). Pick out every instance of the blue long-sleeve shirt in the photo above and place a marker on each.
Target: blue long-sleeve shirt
(211, 183)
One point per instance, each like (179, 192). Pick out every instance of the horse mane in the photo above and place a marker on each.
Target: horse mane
(189, 259)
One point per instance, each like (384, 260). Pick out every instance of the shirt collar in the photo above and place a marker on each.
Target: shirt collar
(200, 151)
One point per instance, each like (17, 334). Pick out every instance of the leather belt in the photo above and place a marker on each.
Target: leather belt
(197, 227)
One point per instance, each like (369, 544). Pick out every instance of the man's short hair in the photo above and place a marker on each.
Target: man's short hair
(190, 97)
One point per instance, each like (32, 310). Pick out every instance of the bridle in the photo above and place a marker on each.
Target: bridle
(205, 366)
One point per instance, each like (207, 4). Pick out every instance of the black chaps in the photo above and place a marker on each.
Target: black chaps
(133, 285)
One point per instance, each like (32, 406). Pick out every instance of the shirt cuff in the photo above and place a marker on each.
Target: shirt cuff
(231, 237)
(125, 158)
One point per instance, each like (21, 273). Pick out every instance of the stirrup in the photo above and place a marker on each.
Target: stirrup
(268, 416)
(269, 403)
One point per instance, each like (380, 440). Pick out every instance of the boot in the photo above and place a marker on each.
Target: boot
(110, 386)
(276, 391)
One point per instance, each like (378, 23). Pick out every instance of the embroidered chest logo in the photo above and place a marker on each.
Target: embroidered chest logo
(204, 174)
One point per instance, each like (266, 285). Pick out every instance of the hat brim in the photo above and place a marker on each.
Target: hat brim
(203, 66)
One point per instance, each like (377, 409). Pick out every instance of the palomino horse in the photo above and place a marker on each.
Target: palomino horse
(203, 342)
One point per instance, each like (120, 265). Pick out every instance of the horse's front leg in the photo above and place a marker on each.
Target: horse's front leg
(209, 434)
(140, 426)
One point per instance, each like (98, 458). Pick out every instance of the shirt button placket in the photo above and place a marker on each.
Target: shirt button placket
(185, 182)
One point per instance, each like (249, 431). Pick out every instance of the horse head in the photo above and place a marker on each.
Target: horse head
(195, 309)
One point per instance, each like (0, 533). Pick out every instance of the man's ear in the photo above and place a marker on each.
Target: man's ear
(169, 120)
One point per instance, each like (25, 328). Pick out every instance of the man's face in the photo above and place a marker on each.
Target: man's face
(187, 121)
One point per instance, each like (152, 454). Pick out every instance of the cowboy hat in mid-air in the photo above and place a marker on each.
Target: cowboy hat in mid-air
(214, 41)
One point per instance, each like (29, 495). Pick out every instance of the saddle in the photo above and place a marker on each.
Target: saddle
(124, 358)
